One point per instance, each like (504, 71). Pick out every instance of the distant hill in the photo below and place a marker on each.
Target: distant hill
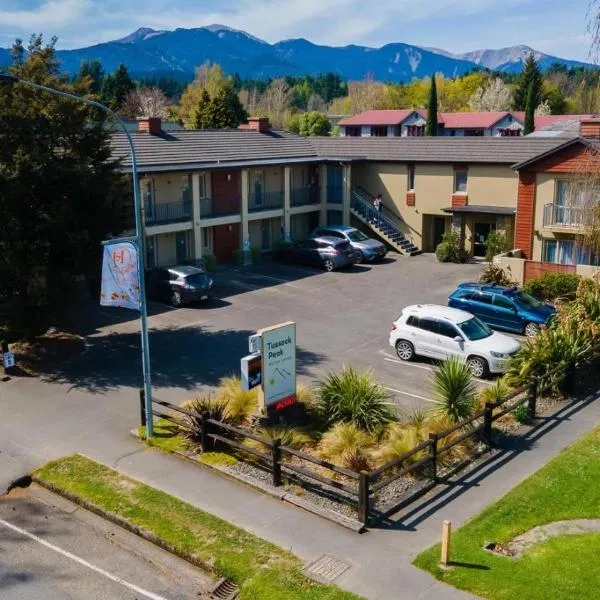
(148, 52)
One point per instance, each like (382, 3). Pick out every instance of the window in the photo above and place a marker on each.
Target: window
(150, 252)
(460, 181)
(428, 324)
(412, 321)
(356, 236)
(466, 295)
(502, 302)
(527, 301)
(411, 178)
(567, 252)
(186, 189)
(474, 132)
(483, 298)
(446, 329)
(475, 329)
(353, 131)
(379, 131)
(202, 185)
(415, 130)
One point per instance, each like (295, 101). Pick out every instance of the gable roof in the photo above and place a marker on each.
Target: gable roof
(565, 143)
(471, 120)
(191, 148)
(442, 149)
(379, 117)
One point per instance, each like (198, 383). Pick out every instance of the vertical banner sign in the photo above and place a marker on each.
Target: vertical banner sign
(120, 277)
(279, 365)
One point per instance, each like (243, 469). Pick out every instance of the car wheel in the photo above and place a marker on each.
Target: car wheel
(405, 350)
(479, 367)
(176, 299)
(531, 329)
(360, 257)
(328, 265)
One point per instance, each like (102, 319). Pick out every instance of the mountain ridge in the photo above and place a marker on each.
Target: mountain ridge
(150, 52)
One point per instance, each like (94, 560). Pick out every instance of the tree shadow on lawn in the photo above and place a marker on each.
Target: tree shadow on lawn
(184, 357)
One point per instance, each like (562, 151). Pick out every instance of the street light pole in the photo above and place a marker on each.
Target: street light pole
(139, 233)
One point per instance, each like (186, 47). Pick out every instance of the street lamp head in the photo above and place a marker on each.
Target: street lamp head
(7, 79)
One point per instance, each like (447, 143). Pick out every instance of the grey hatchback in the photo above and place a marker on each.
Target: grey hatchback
(368, 249)
(329, 253)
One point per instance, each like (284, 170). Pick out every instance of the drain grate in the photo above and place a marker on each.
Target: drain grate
(326, 569)
(224, 590)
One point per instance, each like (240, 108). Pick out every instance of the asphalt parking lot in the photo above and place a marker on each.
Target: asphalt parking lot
(342, 317)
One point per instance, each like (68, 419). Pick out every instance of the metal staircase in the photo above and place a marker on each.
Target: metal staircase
(381, 223)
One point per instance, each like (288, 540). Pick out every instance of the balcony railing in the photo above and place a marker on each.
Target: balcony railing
(335, 194)
(556, 215)
(306, 195)
(219, 207)
(265, 201)
(167, 212)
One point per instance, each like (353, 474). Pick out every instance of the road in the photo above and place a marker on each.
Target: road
(51, 549)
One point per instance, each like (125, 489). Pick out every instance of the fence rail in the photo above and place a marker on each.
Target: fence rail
(426, 455)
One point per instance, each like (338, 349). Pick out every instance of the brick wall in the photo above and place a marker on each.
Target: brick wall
(534, 268)
(459, 200)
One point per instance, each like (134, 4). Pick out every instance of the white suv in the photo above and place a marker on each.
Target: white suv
(441, 332)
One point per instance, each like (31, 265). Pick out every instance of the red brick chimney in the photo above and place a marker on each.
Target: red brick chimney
(151, 125)
(260, 124)
(590, 128)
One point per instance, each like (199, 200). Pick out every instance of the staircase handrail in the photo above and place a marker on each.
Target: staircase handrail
(375, 215)
(393, 219)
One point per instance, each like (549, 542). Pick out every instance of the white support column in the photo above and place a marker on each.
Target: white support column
(347, 194)
(323, 182)
(196, 217)
(245, 199)
(287, 202)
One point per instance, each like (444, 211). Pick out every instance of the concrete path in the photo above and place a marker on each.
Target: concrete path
(74, 420)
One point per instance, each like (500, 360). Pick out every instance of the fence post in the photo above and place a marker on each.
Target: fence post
(532, 398)
(433, 448)
(143, 407)
(363, 498)
(205, 440)
(487, 423)
(276, 458)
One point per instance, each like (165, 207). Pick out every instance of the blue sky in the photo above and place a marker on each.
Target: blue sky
(552, 26)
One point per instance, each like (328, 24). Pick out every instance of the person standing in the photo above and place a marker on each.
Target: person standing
(378, 203)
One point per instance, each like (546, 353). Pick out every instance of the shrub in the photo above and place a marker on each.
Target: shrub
(521, 414)
(551, 286)
(495, 274)
(240, 403)
(289, 436)
(216, 408)
(448, 249)
(495, 244)
(209, 262)
(400, 438)
(455, 391)
(347, 445)
(496, 393)
(353, 396)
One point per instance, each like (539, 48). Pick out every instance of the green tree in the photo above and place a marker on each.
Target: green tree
(225, 110)
(61, 194)
(92, 71)
(314, 123)
(530, 76)
(530, 106)
(431, 126)
(115, 87)
(202, 118)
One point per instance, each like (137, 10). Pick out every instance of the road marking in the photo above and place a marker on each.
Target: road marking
(83, 562)
(276, 279)
(246, 286)
(409, 394)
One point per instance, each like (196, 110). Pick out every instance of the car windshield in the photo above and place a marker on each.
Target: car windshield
(197, 280)
(356, 236)
(527, 301)
(475, 329)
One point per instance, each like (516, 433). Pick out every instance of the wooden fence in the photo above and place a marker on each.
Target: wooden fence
(424, 461)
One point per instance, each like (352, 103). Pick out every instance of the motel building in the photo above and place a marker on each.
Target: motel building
(217, 191)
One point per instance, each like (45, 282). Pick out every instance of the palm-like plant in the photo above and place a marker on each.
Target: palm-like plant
(455, 391)
(354, 397)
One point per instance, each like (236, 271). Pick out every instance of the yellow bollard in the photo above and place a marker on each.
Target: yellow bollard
(446, 530)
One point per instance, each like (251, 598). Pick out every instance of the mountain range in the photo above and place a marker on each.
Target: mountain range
(148, 52)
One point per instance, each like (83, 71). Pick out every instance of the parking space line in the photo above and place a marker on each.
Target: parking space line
(408, 394)
(81, 561)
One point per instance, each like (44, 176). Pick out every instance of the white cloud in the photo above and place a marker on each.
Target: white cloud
(50, 14)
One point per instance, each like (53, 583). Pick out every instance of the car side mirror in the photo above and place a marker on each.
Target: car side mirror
(458, 339)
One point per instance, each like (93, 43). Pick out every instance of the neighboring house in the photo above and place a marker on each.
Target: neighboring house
(207, 192)
(411, 123)
(558, 191)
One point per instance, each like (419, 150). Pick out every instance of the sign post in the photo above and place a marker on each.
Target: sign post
(278, 348)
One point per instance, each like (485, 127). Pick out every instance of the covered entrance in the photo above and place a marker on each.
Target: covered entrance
(476, 222)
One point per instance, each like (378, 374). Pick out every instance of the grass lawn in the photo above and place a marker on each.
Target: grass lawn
(562, 568)
(261, 569)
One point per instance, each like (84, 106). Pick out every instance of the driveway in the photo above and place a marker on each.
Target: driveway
(342, 317)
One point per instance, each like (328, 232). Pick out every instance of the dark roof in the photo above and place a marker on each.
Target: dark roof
(564, 143)
(187, 149)
(482, 208)
(508, 150)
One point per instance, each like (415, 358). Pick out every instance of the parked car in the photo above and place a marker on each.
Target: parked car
(179, 285)
(328, 253)
(441, 332)
(369, 250)
(503, 307)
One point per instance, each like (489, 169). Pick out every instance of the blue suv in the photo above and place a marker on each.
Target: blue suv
(502, 307)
